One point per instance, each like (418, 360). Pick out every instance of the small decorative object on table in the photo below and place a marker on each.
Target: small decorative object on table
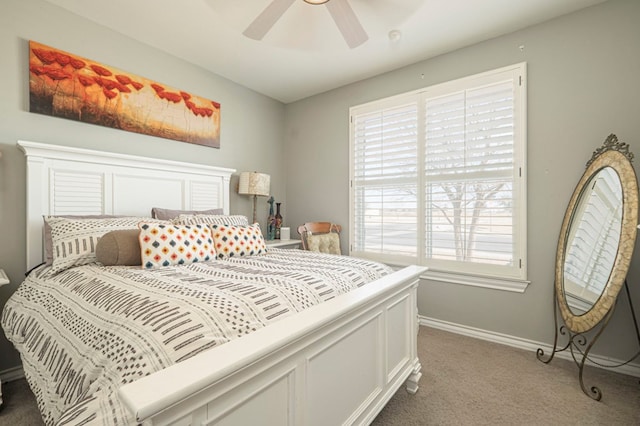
(285, 233)
(278, 221)
(271, 221)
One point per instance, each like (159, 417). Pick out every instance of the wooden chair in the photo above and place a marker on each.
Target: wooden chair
(320, 236)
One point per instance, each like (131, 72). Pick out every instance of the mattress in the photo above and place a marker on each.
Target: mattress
(86, 331)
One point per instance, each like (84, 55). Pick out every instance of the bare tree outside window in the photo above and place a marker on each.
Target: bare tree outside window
(437, 177)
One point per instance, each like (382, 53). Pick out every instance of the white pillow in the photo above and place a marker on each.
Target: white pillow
(211, 219)
(48, 243)
(74, 241)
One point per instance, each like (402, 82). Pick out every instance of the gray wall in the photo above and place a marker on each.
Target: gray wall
(583, 84)
(251, 125)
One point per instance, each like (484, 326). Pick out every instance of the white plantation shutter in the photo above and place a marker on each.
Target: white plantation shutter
(437, 176)
(469, 169)
(385, 171)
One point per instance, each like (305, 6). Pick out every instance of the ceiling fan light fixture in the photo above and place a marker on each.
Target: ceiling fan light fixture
(340, 10)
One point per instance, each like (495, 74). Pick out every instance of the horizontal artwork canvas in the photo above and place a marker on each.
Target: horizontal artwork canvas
(68, 86)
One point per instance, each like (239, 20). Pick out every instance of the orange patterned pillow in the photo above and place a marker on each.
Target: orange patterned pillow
(165, 245)
(233, 240)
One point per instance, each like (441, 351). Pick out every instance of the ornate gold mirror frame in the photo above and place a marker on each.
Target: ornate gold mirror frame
(616, 156)
(612, 156)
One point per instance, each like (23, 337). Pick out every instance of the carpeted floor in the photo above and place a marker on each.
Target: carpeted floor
(466, 381)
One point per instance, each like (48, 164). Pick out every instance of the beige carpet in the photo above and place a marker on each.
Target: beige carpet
(466, 381)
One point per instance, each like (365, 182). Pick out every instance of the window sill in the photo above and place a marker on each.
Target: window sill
(506, 284)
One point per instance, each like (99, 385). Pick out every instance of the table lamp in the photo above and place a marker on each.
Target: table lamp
(254, 183)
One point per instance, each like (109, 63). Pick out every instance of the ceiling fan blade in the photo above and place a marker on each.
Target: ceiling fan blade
(263, 23)
(347, 22)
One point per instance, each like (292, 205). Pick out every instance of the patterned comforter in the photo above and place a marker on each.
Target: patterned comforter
(88, 330)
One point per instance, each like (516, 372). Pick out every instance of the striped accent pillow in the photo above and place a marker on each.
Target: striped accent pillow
(74, 241)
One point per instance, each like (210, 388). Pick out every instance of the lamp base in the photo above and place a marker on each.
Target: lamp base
(255, 200)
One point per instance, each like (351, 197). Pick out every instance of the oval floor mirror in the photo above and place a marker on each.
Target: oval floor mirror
(595, 246)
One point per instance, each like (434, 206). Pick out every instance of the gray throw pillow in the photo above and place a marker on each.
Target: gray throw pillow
(169, 214)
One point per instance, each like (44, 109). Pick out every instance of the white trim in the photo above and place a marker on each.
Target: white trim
(526, 344)
(391, 100)
(60, 152)
(506, 284)
(494, 283)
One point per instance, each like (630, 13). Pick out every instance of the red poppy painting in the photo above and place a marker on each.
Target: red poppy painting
(69, 86)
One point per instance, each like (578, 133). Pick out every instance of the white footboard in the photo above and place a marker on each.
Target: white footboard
(336, 363)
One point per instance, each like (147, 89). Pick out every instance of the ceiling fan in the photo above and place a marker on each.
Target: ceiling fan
(340, 10)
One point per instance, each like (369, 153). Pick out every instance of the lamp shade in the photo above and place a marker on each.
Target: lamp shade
(254, 183)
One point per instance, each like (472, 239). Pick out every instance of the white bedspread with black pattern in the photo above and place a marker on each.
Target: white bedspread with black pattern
(86, 331)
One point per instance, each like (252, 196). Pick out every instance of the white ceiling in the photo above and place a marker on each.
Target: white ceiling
(304, 52)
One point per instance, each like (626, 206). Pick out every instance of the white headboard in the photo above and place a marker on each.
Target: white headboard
(72, 181)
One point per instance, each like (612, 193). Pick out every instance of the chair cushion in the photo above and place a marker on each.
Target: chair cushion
(324, 243)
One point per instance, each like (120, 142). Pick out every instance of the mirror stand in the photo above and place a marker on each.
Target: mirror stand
(595, 248)
(579, 345)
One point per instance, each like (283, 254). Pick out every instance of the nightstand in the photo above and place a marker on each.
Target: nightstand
(3, 280)
(285, 244)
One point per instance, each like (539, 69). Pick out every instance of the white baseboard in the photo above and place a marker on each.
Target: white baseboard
(11, 374)
(528, 345)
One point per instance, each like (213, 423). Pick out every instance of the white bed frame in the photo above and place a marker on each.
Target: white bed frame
(336, 363)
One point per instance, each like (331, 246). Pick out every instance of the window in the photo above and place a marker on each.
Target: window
(438, 179)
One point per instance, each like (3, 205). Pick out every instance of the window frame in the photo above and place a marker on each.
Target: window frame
(515, 279)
